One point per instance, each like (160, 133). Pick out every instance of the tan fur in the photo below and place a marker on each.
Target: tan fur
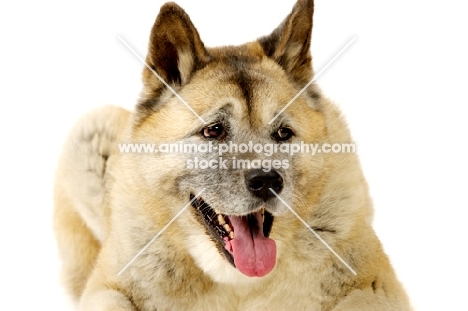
(80, 215)
(109, 205)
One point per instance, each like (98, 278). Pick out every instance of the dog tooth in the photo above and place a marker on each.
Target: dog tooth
(227, 227)
(221, 219)
(231, 235)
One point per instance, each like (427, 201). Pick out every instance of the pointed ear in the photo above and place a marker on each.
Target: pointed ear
(289, 44)
(175, 49)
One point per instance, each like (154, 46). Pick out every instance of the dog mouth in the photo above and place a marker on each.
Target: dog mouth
(243, 240)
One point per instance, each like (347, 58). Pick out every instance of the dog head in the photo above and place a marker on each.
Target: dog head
(220, 105)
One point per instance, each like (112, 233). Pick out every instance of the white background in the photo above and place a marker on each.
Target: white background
(402, 85)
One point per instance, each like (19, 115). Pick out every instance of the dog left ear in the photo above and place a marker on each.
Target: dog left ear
(175, 48)
(289, 44)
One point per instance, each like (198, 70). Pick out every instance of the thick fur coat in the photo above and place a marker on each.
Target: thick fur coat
(109, 205)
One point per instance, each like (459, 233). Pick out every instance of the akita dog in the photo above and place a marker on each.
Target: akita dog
(154, 231)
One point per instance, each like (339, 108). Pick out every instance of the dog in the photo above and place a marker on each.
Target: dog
(157, 231)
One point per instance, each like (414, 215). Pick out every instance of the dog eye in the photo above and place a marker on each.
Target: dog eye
(283, 134)
(213, 131)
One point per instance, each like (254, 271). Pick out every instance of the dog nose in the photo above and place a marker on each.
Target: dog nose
(259, 182)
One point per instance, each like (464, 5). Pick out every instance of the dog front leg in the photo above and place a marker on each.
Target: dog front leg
(369, 300)
(105, 300)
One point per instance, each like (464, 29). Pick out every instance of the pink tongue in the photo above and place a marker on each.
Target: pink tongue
(254, 254)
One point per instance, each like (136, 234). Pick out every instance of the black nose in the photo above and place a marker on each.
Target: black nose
(259, 182)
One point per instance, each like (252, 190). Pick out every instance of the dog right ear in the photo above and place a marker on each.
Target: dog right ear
(289, 44)
(175, 49)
